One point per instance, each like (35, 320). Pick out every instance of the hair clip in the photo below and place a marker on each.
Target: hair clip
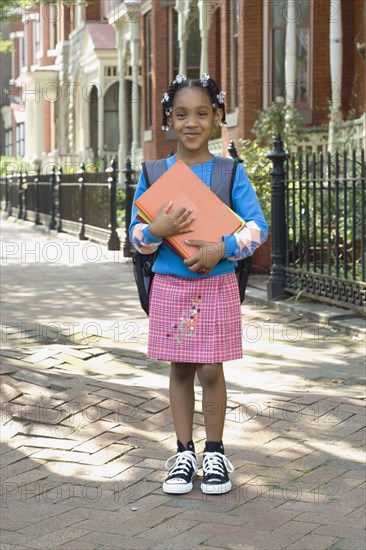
(168, 111)
(214, 105)
(221, 96)
(180, 78)
(165, 98)
(165, 128)
(204, 79)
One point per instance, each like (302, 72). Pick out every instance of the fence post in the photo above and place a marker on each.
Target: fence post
(24, 195)
(52, 222)
(277, 280)
(58, 200)
(113, 241)
(81, 180)
(233, 151)
(130, 191)
(9, 178)
(36, 194)
(20, 195)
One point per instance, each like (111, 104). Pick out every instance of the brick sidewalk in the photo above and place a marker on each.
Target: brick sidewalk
(87, 427)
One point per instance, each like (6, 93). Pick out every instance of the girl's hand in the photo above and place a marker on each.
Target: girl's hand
(208, 255)
(176, 223)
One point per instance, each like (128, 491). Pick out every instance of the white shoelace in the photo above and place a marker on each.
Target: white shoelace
(212, 464)
(183, 463)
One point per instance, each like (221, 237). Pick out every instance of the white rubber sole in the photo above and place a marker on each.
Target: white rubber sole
(216, 489)
(178, 488)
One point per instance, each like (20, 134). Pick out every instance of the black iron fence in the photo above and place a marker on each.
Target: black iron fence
(317, 218)
(318, 226)
(83, 204)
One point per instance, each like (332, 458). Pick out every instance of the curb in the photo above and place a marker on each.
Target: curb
(346, 321)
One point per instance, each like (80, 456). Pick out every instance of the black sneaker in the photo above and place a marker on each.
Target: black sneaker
(183, 471)
(215, 470)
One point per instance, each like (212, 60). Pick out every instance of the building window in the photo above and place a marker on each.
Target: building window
(19, 140)
(21, 52)
(193, 44)
(234, 48)
(148, 72)
(9, 142)
(277, 51)
(110, 70)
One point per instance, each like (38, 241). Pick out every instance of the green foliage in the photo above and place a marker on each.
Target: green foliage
(11, 10)
(121, 207)
(6, 46)
(279, 119)
(14, 165)
(258, 168)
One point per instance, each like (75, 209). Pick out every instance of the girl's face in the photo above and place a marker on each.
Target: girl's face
(193, 120)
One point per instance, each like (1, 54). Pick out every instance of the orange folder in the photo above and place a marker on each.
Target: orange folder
(181, 185)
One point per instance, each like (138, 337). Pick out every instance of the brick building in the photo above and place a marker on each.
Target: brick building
(87, 79)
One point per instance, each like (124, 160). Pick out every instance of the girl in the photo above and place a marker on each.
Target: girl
(195, 315)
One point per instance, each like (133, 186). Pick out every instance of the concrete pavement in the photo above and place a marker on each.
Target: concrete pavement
(87, 427)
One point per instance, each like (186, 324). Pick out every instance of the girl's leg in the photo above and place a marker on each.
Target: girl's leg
(211, 377)
(216, 466)
(181, 393)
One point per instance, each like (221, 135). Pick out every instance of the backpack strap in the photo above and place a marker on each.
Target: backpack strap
(223, 177)
(153, 169)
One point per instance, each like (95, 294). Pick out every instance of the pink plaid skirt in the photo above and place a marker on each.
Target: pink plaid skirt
(195, 320)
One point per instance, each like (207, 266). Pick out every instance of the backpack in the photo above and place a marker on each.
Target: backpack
(222, 181)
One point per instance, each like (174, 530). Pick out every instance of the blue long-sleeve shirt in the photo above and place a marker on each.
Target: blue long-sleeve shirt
(237, 246)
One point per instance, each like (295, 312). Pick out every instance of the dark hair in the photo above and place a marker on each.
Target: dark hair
(205, 83)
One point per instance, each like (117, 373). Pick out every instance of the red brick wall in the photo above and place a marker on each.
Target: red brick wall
(159, 146)
(250, 92)
(353, 68)
(359, 30)
(348, 75)
(249, 67)
(225, 48)
(321, 80)
(214, 47)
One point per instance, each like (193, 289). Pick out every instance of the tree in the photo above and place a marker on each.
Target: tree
(11, 10)
(6, 46)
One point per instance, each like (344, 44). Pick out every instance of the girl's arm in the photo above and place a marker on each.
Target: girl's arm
(140, 236)
(146, 238)
(246, 205)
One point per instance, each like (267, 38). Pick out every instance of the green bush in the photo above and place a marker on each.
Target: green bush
(121, 207)
(14, 164)
(258, 168)
(277, 119)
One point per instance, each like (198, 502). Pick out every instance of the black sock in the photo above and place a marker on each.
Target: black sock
(189, 446)
(214, 446)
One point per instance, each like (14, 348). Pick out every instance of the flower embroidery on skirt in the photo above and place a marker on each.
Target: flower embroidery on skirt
(187, 323)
